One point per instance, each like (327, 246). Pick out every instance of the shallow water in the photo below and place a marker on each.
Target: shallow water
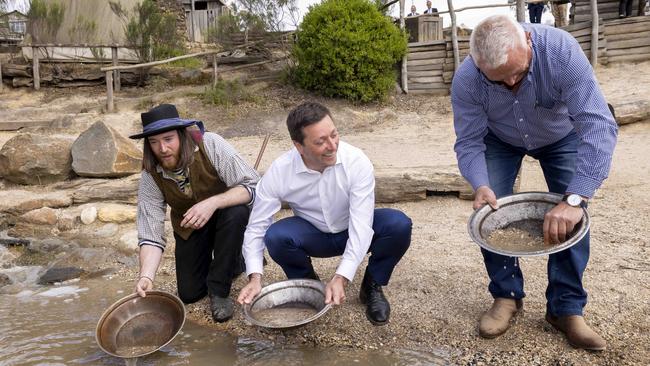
(55, 325)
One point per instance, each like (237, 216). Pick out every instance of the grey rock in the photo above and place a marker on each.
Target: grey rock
(101, 151)
(36, 159)
(59, 274)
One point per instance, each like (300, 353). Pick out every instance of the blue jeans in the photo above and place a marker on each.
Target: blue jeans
(293, 241)
(564, 293)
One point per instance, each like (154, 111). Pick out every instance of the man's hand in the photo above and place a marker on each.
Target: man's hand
(248, 293)
(199, 214)
(143, 284)
(335, 290)
(485, 195)
(559, 222)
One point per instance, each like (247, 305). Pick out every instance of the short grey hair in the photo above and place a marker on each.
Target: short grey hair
(493, 38)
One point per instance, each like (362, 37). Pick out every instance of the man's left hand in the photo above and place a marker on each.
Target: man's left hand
(199, 214)
(335, 290)
(559, 222)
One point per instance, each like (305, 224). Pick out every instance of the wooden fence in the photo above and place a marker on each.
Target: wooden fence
(628, 40)
(427, 60)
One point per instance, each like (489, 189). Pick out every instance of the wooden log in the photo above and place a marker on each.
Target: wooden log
(35, 73)
(612, 38)
(429, 67)
(427, 73)
(629, 43)
(425, 55)
(422, 62)
(438, 43)
(587, 38)
(116, 73)
(12, 70)
(155, 63)
(629, 58)
(627, 28)
(110, 106)
(1, 84)
(426, 80)
(628, 51)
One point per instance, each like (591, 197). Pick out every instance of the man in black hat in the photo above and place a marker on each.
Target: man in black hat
(209, 188)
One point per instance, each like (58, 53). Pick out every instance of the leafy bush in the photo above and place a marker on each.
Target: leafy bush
(347, 48)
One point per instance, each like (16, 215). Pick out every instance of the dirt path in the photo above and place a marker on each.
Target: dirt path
(439, 290)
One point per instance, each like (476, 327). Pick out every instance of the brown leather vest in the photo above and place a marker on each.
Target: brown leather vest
(205, 183)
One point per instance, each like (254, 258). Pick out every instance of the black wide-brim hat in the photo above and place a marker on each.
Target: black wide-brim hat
(161, 119)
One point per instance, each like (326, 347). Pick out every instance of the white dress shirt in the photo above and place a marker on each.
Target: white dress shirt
(340, 198)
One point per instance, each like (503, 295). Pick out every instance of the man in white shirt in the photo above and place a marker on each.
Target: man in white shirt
(330, 186)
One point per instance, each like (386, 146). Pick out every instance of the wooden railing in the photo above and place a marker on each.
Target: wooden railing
(110, 103)
(36, 57)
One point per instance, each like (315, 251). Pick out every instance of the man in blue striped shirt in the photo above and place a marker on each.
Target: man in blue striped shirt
(529, 90)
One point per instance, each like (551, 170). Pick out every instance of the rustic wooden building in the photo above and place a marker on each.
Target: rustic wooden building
(201, 15)
(13, 26)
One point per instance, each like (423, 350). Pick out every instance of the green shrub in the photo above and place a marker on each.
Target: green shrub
(347, 48)
(227, 93)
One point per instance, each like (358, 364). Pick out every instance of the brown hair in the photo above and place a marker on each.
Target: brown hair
(304, 115)
(187, 146)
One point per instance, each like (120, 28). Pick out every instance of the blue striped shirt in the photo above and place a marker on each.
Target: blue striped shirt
(559, 94)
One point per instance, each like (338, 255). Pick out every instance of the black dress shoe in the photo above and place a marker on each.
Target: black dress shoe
(221, 308)
(377, 306)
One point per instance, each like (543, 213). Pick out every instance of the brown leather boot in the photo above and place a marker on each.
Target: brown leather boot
(577, 332)
(497, 320)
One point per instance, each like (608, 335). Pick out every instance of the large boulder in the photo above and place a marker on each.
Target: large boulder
(36, 159)
(101, 151)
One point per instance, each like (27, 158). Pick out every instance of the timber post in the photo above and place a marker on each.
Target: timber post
(521, 11)
(454, 34)
(594, 33)
(214, 70)
(110, 104)
(116, 73)
(35, 72)
(402, 25)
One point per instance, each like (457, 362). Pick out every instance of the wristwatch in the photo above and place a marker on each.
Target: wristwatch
(574, 200)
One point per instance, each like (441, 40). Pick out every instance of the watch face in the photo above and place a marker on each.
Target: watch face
(574, 200)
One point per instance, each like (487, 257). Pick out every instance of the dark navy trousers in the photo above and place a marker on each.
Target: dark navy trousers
(292, 242)
(564, 293)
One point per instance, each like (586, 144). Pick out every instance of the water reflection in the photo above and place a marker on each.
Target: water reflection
(55, 325)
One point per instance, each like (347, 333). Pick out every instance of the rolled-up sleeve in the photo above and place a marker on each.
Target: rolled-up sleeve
(267, 203)
(362, 211)
(151, 211)
(230, 165)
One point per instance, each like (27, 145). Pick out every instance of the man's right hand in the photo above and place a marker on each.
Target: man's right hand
(485, 195)
(248, 293)
(143, 284)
